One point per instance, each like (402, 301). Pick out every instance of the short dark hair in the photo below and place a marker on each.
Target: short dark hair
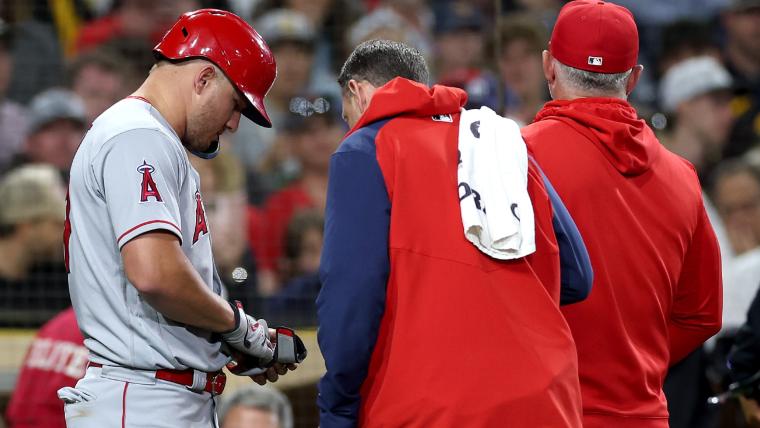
(380, 61)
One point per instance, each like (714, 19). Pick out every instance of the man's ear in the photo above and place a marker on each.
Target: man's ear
(356, 95)
(547, 63)
(203, 78)
(633, 79)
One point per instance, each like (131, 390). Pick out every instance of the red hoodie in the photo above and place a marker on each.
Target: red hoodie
(657, 280)
(418, 328)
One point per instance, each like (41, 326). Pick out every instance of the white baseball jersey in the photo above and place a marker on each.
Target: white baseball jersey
(131, 175)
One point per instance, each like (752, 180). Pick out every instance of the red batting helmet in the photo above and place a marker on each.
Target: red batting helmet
(234, 46)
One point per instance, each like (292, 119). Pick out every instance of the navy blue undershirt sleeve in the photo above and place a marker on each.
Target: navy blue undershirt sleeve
(576, 274)
(354, 272)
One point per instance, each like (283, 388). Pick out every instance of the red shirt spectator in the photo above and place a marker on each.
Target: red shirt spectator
(56, 358)
(267, 226)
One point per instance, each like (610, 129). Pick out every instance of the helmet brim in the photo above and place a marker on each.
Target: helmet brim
(256, 112)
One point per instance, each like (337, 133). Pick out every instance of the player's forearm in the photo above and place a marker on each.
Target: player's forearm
(155, 264)
(192, 304)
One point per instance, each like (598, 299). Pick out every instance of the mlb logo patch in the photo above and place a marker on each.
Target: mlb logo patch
(443, 118)
(595, 60)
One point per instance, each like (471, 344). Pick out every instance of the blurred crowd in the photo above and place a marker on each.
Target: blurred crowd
(62, 63)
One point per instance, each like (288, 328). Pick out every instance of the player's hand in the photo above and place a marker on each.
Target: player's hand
(250, 337)
(244, 365)
(273, 373)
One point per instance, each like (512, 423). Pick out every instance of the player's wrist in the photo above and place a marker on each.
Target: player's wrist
(236, 317)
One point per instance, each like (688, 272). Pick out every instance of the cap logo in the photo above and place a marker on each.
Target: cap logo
(595, 61)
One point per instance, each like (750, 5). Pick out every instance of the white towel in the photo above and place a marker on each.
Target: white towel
(497, 213)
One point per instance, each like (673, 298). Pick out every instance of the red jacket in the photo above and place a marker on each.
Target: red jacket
(417, 326)
(657, 279)
(56, 358)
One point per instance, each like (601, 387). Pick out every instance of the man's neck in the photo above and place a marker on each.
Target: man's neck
(13, 261)
(155, 90)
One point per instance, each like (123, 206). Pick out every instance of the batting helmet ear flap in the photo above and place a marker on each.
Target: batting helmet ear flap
(233, 45)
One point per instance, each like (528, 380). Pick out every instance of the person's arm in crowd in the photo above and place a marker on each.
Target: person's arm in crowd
(698, 300)
(576, 273)
(744, 359)
(354, 273)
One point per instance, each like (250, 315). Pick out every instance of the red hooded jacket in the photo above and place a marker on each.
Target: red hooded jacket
(657, 274)
(418, 327)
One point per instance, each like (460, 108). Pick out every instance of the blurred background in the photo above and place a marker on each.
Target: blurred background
(63, 62)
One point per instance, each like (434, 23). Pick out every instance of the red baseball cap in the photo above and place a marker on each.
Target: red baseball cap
(595, 36)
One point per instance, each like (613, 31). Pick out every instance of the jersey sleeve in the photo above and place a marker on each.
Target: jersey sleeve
(697, 303)
(576, 273)
(139, 173)
(354, 273)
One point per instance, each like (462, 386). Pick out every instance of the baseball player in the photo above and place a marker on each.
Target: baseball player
(138, 248)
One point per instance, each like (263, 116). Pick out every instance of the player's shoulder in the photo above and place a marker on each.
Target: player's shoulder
(125, 116)
(133, 123)
(362, 140)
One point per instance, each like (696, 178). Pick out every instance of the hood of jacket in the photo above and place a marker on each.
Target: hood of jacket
(613, 126)
(403, 97)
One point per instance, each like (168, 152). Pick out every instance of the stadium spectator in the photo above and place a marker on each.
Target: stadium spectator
(13, 121)
(685, 39)
(330, 18)
(545, 11)
(314, 138)
(32, 280)
(519, 64)
(736, 191)
(299, 267)
(37, 54)
(459, 42)
(57, 123)
(224, 200)
(100, 79)
(742, 22)
(418, 19)
(696, 93)
(143, 19)
(292, 39)
(460, 51)
(744, 361)
(255, 406)
(657, 274)
(56, 358)
(303, 246)
(742, 56)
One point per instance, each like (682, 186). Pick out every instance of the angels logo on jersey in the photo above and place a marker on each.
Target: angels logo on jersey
(149, 188)
(200, 218)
